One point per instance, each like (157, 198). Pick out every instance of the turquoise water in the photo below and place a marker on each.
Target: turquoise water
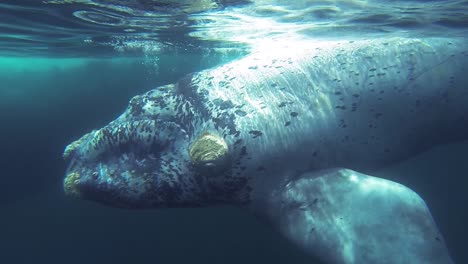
(102, 28)
(67, 67)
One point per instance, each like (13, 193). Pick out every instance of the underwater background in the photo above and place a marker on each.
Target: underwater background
(67, 67)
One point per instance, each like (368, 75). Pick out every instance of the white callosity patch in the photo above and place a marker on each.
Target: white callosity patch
(344, 216)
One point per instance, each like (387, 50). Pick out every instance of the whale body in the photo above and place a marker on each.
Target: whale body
(290, 134)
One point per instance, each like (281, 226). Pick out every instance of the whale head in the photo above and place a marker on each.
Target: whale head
(161, 152)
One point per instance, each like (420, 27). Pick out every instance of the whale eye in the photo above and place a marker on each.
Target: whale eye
(209, 151)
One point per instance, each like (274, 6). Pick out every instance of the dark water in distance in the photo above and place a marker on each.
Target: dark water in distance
(71, 66)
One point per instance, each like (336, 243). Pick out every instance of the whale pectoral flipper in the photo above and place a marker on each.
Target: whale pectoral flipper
(343, 216)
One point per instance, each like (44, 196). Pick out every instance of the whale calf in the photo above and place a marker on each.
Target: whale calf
(292, 135)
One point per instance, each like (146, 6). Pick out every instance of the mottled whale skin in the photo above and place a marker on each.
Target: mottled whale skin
(288, 134)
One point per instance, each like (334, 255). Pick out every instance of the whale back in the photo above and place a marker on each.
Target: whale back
(355, 104)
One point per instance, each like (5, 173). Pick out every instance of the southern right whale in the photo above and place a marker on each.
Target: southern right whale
(289, 135)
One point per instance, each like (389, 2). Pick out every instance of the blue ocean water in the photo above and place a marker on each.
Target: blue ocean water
(70, 66)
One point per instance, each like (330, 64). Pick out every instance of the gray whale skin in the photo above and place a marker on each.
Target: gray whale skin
(288, 134)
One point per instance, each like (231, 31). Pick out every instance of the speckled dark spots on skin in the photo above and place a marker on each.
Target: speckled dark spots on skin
(337, 93)
(356, 95)
(372, 90)
(315, 153)
(253, 67)
(372, 75)
(373, 69)
(255, 133)
(136, 107)
(287, 123)
(342, 107)
(239, 141)
(386, 150)
(294, 114)
(243, 151)
(240, 112)
(225, 120)
(342, 123)
(371, 83)
(187, 89)
(223, 105)
(283, 104)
